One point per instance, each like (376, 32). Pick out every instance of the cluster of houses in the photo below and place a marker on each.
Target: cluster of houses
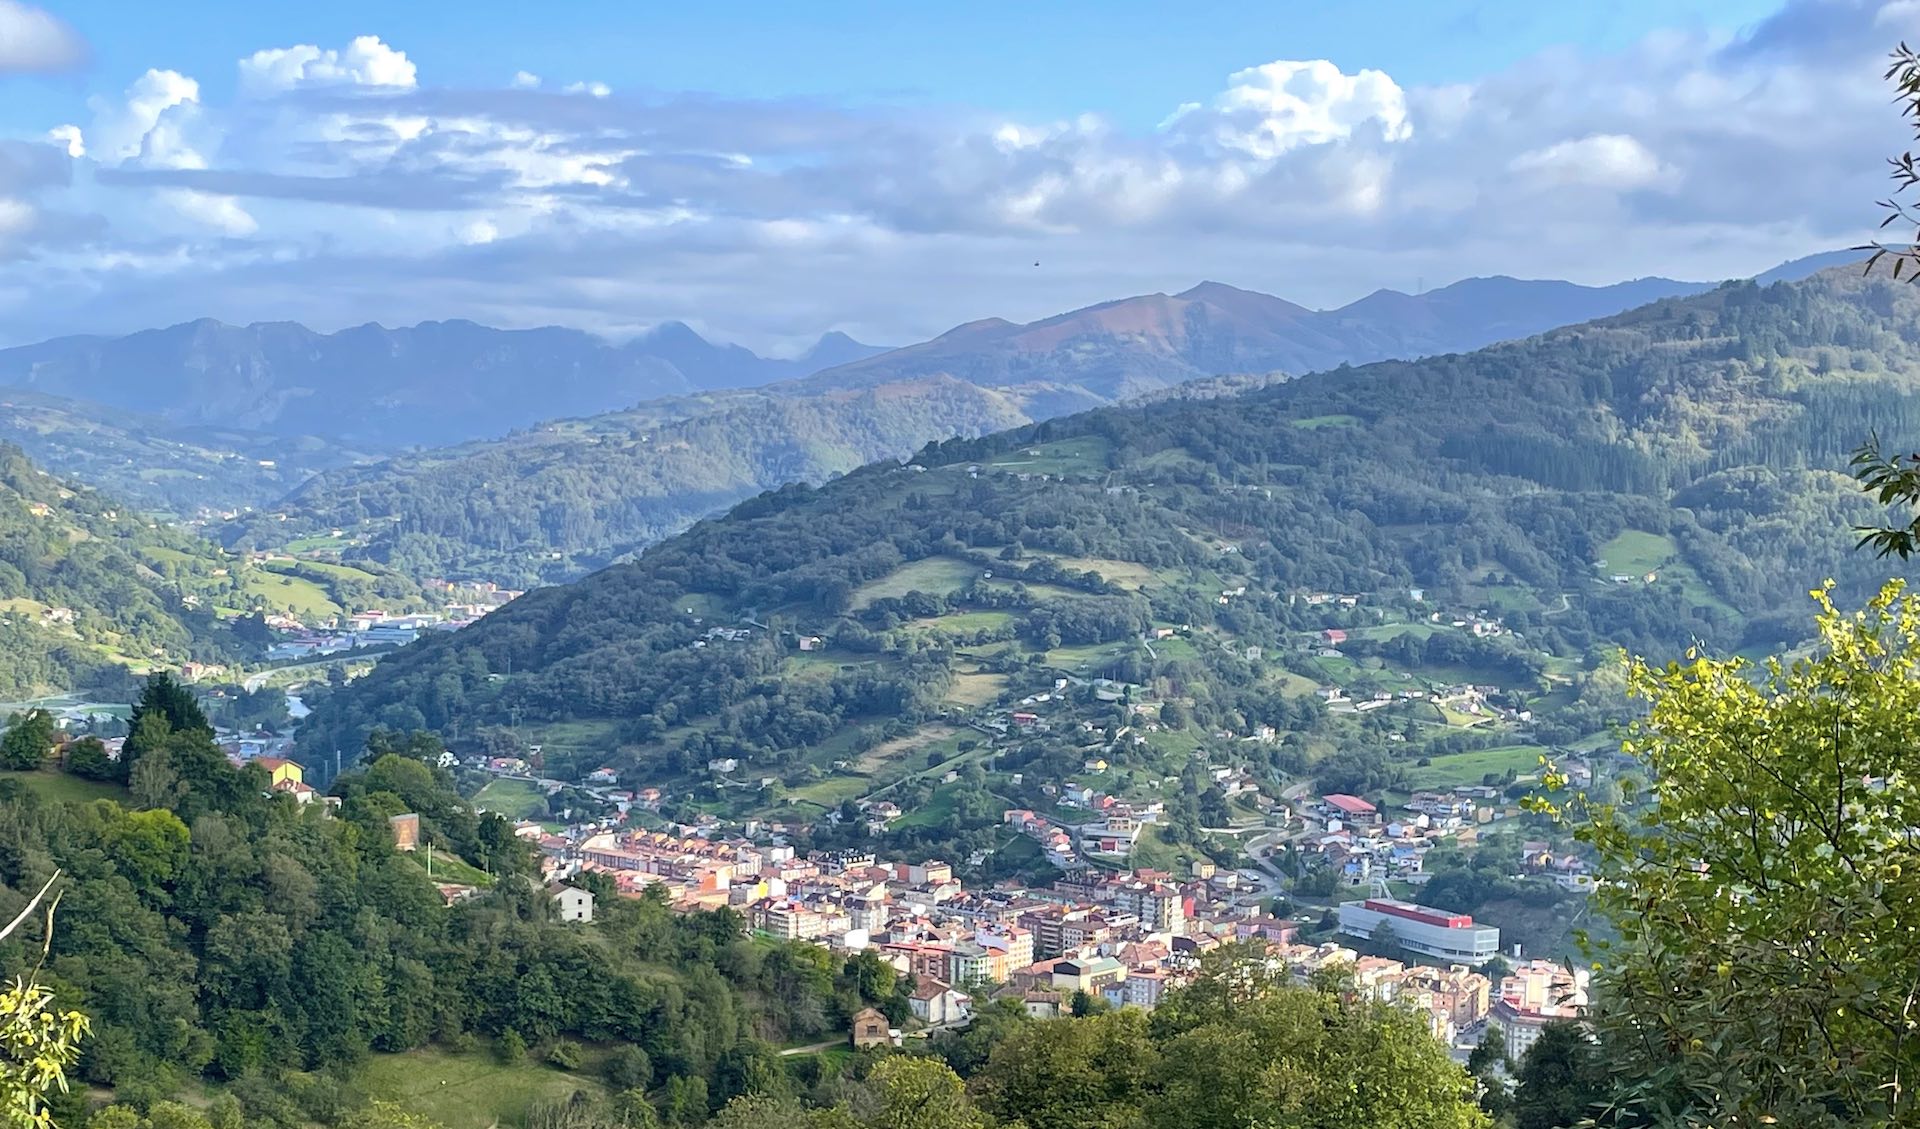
(1125, 937)
(1459, 1003)
(1112, 828)
(1361, 844)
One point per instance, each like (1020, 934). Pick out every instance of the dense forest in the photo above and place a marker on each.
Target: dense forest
(549, 504)
(213, 929)
(1717, 425)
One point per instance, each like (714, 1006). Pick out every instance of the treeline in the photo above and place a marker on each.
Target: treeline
(215, 930)
(546, 505)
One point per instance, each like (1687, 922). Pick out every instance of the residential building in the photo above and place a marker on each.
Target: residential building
(939, 1004)
(573, 903)
(871, 1029)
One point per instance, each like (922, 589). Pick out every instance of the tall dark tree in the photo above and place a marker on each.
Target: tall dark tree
(1561, 1081)
(165, 699)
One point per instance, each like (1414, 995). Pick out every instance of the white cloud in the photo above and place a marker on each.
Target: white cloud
(70, 139)
(1601, 160)
(35, 41)
(1279, 106)
(364, 62)
(305, 198)
(138, 127)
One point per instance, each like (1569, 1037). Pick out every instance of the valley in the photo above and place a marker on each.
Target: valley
(1192, 606)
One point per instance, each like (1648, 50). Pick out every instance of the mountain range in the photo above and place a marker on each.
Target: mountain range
(1664, 478)
(554, 501)
(427, 385)
(440, 383)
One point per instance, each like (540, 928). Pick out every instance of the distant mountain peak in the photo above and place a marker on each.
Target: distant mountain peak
(976, 328)
(673, 332)
(1208, 288)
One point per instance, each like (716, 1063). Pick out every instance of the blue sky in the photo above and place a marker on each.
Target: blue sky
(1132, 59)
(768, 171)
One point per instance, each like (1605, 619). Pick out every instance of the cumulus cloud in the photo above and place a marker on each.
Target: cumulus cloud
(1600, 160)
(343, 185)
(35, 41)
(1276, 107)
(364, 62)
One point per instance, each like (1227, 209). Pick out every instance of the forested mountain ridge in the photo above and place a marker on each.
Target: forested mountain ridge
(430, 384)
(81, 587)
(158, 466)
(547, 504)
(585, 492)
(92, 590)
(1698, 441)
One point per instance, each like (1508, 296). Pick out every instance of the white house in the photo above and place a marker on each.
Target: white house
(938, 1004)
(575, 904)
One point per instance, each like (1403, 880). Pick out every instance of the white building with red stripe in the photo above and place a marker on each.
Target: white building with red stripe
(1451, 937)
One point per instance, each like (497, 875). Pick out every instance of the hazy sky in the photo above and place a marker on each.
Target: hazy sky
(768, 171)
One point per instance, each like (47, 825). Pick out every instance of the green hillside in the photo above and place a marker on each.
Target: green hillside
(91, 589)
(159, 466)
(1697, 440)
(550, 503)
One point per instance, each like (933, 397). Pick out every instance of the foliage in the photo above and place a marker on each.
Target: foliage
(1903, 71)
(1765, 886)
(1561, 1080)
(37, 1047)
(638, 476)
(1716, 424)
(28, 740)
(1239, 1047)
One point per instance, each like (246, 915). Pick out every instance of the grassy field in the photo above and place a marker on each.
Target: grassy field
(1293, 685)
(597, 733)
(1126, 574)
(963, 623)
(52, 784)
(514, 799)
(1175, 648)
(1083, 658)
(1385, 631)
(452, 868)
(325, 568)
(974, 690)
(1084, 455)
(833, 791)
(934, 575)
(1315, 423)
(1470, 768)
(1636, 553)
(931, 813)
(472, 1091)
(319, 544)
(906, 755)
(296, 594)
